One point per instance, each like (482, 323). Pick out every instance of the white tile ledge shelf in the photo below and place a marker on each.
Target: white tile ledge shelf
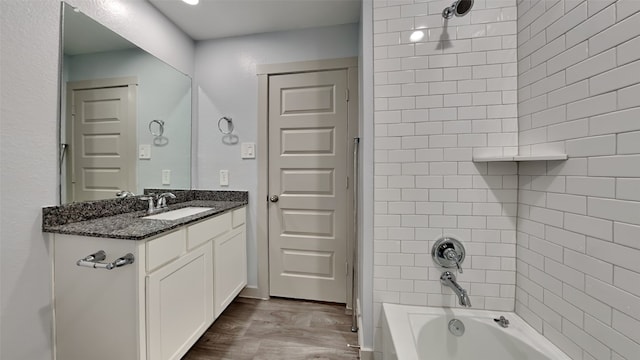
(520, 158)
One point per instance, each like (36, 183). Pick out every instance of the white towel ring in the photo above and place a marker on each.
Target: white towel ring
(229, 125)
(160, 127)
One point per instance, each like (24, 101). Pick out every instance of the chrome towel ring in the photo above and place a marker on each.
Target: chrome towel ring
(160, 127)
(229, 125)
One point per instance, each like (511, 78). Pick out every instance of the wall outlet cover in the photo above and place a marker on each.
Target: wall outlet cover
(166, 177)
(144, 152)
(224, 177)
(248, 150)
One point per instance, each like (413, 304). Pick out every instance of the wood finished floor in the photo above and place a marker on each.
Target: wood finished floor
(277, 329)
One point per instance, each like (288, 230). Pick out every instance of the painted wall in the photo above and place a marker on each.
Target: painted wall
(578, 254)
(438, 101)
(29, 33)
(365, 196)
(28, 129)
(225, 73)
(163, 93)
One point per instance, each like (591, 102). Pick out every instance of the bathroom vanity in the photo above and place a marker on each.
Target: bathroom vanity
(184, 273)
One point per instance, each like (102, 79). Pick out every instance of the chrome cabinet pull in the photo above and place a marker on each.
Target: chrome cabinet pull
(274, 198)
(93, 261)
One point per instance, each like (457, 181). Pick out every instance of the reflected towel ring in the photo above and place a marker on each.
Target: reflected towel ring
(160, 127)
(229, 125)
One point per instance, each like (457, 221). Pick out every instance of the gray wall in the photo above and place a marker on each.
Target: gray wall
(29, 35)
(365, 196)
(228, 86)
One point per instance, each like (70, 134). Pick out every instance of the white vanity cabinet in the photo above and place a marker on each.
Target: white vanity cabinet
(155, 308)
(230, 263)
(179, 303)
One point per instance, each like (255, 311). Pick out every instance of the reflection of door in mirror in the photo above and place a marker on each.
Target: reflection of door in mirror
(102, 129)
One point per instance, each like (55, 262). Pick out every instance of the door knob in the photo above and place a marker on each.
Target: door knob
(274, 198)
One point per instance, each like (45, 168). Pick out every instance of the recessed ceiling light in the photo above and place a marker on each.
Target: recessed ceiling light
(192, 2)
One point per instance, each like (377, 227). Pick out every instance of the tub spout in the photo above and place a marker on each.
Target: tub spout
(449, 279)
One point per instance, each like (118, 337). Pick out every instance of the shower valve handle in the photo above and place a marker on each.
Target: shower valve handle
(452, 255)
(448, 253)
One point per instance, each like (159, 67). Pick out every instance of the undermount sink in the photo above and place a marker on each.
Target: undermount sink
(178, 213)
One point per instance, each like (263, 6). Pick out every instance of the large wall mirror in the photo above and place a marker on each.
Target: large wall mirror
(125, 122)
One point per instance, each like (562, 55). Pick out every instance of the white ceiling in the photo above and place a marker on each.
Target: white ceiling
(213, 19)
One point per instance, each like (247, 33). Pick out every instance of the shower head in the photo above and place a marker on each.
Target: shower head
(458, 8)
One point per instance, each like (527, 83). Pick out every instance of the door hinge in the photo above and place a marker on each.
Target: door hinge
(346, 93)
(347, 182)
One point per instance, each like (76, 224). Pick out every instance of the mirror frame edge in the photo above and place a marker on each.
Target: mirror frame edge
(59, 151)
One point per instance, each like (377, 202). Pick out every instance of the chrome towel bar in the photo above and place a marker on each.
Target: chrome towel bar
(93, 261)
(354, 247)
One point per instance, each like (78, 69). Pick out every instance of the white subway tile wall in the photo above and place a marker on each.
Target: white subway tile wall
(578, 225)
(439, 100)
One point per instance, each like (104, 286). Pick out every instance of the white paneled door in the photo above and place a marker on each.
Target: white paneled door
(103, 142)
(308, 185)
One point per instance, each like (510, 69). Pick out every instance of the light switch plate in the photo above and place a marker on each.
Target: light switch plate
(144, 152)
(224, 177)
(248, 150)
(166, 177)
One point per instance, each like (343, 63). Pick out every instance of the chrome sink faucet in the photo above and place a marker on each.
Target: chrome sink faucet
(124, 194)
(162, 200)
(449, 279)
(150, 198)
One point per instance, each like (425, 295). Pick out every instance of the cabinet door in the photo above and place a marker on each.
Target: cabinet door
(96, 312)
(179, 304)
(230, 267)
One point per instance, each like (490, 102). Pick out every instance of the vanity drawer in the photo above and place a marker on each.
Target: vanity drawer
(204, 231)
(165, 249)
(239, 216)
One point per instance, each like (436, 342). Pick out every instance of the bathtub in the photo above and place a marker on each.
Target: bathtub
(422, 333)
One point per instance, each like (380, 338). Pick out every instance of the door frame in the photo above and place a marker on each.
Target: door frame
(262, 230)
(131, 82)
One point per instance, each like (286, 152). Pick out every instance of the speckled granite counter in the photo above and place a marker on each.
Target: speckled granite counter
(123, 218)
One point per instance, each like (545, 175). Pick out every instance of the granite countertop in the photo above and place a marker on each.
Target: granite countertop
(73, 219)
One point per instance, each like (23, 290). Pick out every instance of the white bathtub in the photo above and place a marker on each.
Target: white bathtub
(422, 333)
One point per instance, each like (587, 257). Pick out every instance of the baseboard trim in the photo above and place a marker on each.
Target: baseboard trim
(366, 354)
(252, 293)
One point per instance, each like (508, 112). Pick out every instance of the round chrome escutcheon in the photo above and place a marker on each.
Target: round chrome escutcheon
(456, 327)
